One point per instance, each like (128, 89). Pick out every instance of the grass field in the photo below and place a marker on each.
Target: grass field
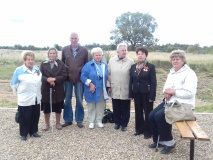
(200, 63)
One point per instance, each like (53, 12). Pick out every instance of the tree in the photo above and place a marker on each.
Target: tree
(135, 29)
(59, 48)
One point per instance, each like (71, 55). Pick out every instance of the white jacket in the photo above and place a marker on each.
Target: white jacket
(184, 81)
(26, 85)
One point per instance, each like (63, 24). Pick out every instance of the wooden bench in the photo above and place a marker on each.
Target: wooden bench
(190, 130)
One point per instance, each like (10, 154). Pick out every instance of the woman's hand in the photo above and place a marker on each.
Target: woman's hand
(168, 93)
(92, 87)
(167, 96)
(51, 81)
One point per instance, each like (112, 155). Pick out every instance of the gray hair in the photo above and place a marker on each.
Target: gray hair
(27, 53)
(95, 50)
(74, 33)
(121, 44)
(178, 53)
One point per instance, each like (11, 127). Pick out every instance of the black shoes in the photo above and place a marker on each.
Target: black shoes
(23, 138)
(138, 133)
(167, 149)
(116, 126)
(36, 135)
(123, 129)
(66, 124)
(80, 124)
(154, 145)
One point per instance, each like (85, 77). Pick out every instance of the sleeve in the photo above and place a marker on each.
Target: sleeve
(189, 88)
(44, 78)
(62, 76)
(84, 75)
(131, 83)
(109, 73)
(86, 59)
(153, 84)
(15, 82)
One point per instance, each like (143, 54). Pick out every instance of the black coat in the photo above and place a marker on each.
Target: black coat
(60, 74)
(145, 82)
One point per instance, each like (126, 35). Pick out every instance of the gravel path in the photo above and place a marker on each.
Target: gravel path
(100, 143)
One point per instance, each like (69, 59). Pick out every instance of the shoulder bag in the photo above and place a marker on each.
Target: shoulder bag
(17, 116)
(177, 111)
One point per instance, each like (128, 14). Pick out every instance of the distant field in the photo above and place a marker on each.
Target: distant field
(202, 64)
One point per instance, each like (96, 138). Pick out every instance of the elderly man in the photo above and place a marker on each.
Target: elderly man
(75, 57)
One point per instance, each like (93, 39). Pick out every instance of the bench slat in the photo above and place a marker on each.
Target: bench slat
(197, 130)
(184, 130)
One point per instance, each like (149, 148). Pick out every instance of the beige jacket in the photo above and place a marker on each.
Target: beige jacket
(119, 73)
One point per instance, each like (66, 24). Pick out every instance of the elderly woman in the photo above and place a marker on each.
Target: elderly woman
(119, 76)
(143, 89)
(53, 76)
(94, 75)
(26, 84)
(181, 85)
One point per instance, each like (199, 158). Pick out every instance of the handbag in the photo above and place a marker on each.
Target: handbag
(17, 116)
(177, 111)
(108, 116)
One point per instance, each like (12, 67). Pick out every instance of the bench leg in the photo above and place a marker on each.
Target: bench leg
(192, 149)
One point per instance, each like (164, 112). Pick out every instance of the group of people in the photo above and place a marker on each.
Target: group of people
(121, 78)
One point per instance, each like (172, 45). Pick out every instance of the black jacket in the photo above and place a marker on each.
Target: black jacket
(145, 82)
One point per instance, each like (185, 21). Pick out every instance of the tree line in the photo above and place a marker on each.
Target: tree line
(155, 48)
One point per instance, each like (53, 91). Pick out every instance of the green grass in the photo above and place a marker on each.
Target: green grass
(6, 71)
(204, 109)
(201, 64)
(7, 103)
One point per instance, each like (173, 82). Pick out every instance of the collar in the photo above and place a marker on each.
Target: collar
(48, 61)
(94, 62)
(27, 69)
(77, 48)
(123, 59)
(185, 66)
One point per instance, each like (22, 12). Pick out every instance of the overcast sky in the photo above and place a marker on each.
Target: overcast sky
(47, 22)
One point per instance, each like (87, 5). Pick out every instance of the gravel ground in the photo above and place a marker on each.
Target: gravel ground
(99, 143)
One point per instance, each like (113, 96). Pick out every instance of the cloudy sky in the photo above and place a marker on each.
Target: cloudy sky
(47, 22)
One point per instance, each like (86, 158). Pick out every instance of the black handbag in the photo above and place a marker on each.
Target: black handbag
(108, 116)
(17, 116)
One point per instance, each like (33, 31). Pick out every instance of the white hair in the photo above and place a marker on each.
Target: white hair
(95, 50)
(121, 44)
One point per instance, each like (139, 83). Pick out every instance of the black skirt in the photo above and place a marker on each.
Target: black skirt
(56, 107)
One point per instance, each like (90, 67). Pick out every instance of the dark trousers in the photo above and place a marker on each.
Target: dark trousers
(158, 124)
(142, 109)
(121, 111)
(29, 119)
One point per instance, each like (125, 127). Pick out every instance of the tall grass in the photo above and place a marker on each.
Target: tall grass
(201, 63)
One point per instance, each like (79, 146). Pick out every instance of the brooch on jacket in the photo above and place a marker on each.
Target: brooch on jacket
(145, 68)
